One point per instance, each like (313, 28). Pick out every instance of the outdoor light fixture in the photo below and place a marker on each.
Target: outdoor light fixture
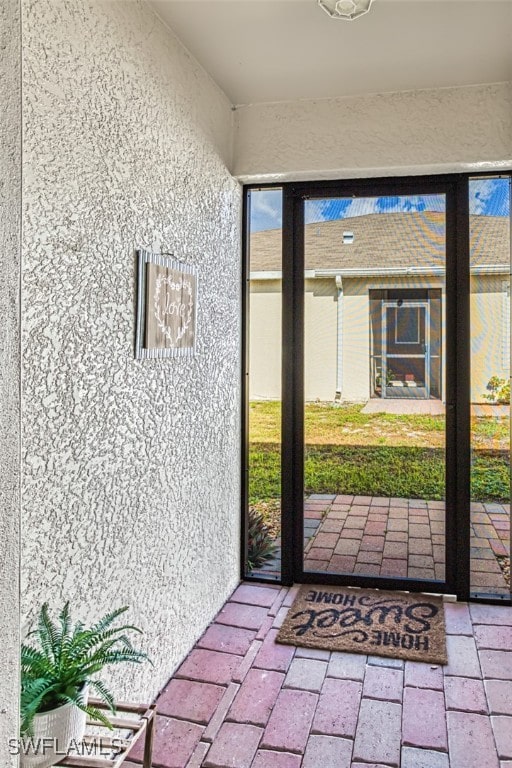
(345, 9)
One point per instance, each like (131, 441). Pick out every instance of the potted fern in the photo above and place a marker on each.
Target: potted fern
(56, 676)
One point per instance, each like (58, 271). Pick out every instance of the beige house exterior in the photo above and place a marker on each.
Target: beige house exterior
(356, 271)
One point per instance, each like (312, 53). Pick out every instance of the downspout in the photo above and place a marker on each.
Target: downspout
(339, 339)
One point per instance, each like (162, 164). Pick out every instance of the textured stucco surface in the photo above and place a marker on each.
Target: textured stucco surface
(429, 131)
(10, 210)
(130, 468)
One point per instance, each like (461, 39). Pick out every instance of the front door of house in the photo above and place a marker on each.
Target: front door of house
(405, 349)
(370, 482)
(376, 438)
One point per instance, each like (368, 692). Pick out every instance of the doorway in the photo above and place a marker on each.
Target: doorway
(405, 349)
(371, 292)
(377, 502)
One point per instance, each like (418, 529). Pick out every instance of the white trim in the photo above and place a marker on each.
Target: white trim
(481, 269)
(492, 166)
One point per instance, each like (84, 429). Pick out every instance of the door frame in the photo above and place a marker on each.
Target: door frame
(457, 359)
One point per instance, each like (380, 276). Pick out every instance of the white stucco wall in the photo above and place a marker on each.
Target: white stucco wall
(428, 131)
(265, 352)
(490, 332)
(320, 337)
(265, 346)
(10, 210)
(130, 468)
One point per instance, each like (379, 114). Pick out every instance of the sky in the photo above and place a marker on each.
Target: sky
(487, 197)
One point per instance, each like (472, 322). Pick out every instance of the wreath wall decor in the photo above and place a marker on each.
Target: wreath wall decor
(166, 307)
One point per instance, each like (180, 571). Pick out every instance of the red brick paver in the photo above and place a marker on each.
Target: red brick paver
(465, 694)
(234, 747)
(419, 675)
(471, 740)
(239, 702)
(327, 751)
(256, 698)
(424, 719)
(266, 758)
(338, 708)
(378, 732)
(190, 700)
(209, 666)
(290, 722)
(219, 637)
(174, 743)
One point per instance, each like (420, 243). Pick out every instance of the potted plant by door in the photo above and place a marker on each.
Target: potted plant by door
(57, 674)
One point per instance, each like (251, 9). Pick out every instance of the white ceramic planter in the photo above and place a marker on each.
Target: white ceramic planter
(54, 732)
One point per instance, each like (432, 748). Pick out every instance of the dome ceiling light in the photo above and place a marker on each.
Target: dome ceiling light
(345, 9)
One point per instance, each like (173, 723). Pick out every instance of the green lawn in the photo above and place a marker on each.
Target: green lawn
(375, 454)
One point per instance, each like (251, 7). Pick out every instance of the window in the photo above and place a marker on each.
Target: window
(407, 325)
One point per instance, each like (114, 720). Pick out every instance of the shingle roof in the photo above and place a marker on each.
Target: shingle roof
(384, 241)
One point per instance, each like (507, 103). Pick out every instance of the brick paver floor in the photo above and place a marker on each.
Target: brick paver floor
(378, 536)
(240, 700)
(402, 537)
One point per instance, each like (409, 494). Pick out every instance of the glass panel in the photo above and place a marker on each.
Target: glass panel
(490, 386)
(374, 378)
(264, 383)
(407, 324)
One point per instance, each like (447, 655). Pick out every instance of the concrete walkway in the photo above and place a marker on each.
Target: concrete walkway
(405, 407)
(240, 700)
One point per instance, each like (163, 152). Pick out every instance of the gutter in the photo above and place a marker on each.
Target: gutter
(480, 269)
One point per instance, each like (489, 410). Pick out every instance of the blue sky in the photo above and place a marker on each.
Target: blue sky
(488, 197)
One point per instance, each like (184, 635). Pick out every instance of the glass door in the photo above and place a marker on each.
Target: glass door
(377, 427)
(490, 315)
(377, 348)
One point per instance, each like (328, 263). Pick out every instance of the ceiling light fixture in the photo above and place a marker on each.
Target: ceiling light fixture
(345, 9)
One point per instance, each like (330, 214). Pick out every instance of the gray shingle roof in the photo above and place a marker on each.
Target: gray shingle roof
(384, 241)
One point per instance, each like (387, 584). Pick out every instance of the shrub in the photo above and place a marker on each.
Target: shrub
(499, 390)
(261, 546)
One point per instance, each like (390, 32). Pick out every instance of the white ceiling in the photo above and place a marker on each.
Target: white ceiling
(280, 50)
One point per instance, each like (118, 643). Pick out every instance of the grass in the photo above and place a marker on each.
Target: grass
(375, 454)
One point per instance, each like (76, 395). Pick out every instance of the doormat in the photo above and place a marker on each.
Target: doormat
(397, 624)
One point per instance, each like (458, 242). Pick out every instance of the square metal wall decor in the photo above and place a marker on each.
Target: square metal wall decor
(166, 307)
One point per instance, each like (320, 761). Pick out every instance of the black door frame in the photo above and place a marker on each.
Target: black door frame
(457, 350)
(457, 448)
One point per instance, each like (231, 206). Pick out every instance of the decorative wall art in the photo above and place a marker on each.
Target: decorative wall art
(166, 307)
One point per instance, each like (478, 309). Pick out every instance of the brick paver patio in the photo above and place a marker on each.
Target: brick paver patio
(401, 537)
(240, 700)
(378, 536)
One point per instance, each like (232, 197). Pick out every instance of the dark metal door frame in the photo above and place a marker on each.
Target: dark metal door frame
(457, 450)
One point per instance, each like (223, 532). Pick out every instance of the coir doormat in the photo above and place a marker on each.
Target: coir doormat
(397, 624)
